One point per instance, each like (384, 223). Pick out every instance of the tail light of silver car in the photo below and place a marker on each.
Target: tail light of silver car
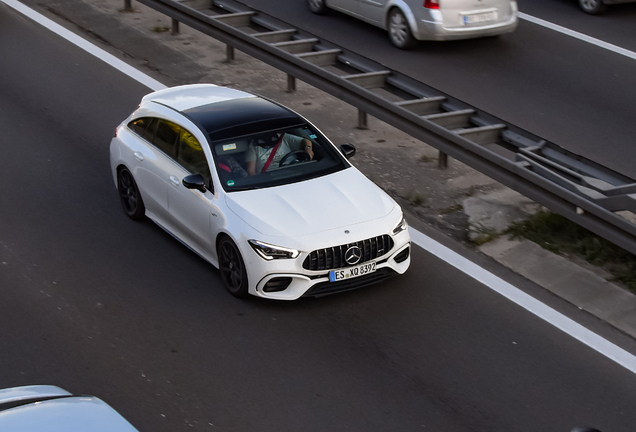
(431, 4)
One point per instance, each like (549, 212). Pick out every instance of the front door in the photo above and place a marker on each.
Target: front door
(192, 211)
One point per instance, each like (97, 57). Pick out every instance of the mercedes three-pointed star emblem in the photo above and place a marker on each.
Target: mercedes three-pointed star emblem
(353, 255)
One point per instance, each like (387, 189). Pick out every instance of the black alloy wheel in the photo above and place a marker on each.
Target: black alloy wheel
(232, 268)
(318, 6)
(129, 195)
(593, 7)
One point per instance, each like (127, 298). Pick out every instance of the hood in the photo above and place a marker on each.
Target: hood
(321, 204)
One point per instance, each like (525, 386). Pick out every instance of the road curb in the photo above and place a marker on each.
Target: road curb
(579, 286)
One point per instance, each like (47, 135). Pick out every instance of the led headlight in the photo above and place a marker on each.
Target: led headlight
(401, 226)
(270, 252)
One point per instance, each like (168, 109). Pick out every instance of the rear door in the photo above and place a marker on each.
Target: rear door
(350, 6)
(372, 10)
(153, 155)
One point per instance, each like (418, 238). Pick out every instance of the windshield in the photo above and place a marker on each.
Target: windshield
(276, 157)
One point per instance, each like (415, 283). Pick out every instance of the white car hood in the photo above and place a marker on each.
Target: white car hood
(333, 201)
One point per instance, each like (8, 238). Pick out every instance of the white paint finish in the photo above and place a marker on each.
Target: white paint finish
(313, 206)
(85, 45)
(585, 38)
(31, 392)
(565, 324)
(194, 95)
(527, 302)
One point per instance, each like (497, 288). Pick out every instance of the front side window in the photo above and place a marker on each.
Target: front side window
(273, 158)
(190, 155)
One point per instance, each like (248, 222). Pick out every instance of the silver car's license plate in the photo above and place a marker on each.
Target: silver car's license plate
(352, 272)
(480, 17)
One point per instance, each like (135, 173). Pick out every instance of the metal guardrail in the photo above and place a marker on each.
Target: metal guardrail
(573, 186)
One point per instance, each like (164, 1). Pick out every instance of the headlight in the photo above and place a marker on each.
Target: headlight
(270, 252)
(401, 226)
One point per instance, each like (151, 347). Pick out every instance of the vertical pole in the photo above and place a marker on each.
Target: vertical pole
(229, 53)
(442, 160)
(175, 26)
(362, 120)
(291, 83)
(128, 5)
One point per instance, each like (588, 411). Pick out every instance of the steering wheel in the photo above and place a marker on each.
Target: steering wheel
(303, 156)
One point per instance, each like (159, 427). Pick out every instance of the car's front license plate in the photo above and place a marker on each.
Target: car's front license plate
(480, 17)
(352, 272)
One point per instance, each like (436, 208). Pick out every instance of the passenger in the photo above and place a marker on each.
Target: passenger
(259, 157)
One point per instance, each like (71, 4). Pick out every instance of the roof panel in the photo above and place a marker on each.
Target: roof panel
(239, 117)
(186, 97)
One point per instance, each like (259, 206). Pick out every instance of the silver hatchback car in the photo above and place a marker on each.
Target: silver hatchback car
(408, 21)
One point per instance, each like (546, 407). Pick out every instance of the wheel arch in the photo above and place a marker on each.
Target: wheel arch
(405, 9)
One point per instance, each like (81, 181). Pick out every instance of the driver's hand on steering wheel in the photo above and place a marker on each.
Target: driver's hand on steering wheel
(307, 146)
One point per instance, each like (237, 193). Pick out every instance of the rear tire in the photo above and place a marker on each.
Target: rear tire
(593, 7)
(129, 195)
(232, 268)
(399, 30)
(318, 7)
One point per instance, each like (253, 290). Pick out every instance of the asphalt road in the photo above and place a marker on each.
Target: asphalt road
(98, 304)
(567, 91)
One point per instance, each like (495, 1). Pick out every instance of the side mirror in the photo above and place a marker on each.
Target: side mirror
(194, 181)
(348, 150)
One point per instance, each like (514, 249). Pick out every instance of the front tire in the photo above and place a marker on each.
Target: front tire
(399, 30)
(129, 195)
(318, 7)
(593, 7)
(232, 268)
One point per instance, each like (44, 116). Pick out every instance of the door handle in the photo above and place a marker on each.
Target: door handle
(138, 156)
(175, 181)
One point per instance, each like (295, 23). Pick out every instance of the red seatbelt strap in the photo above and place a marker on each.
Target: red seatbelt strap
(271, 155)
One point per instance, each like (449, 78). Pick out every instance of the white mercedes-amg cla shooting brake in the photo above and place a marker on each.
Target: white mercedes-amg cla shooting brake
(258, 191)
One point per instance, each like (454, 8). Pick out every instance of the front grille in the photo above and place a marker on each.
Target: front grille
(326, 288)
(333, 258)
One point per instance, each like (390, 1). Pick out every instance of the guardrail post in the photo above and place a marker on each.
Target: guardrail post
(175, 26)
(128, 6)
(442, 160)
(229, 53)
(291, 83)
(362, 119)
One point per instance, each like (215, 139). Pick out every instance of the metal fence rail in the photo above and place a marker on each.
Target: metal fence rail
(577, 188)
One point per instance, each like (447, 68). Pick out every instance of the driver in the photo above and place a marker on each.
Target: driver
(259, 152)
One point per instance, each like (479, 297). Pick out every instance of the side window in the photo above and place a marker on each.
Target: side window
(166, 136)
(190, 155)
(144, 127)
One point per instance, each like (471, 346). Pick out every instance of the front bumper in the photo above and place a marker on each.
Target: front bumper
(316, 283)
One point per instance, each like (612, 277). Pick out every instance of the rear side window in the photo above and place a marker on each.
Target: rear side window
(144, 127)
(166, 137)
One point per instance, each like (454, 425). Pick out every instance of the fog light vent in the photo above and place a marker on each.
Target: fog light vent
(277, 284)
(402, 256)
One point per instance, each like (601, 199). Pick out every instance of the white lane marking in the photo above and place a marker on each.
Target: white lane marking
(514, 294)
(85, 45)
(580, 36)
(462, 264)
